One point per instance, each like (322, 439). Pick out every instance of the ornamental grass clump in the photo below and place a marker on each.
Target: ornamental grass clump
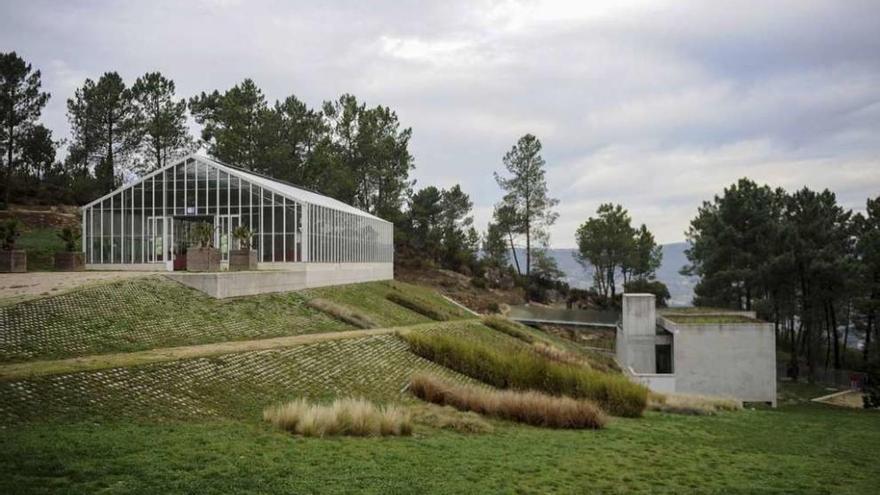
(530, 407)
(559, 355)
(698, 405)
(512, 328)
(352, 417)
(344, 313)
(418, 305)
(524, 369)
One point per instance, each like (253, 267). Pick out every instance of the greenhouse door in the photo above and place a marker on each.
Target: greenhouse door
(225, 225)
(156, 240)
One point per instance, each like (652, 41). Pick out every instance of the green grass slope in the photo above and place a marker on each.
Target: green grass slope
(235, 385)
(150, 312)
(371, 299)
(146, 313)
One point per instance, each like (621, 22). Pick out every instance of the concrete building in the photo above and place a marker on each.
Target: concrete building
(692, 351)
(313, 239)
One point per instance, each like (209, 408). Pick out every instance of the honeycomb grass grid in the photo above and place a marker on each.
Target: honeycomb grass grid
(235, 386)
(145, 313)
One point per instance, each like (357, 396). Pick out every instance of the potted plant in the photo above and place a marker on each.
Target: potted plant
(71, 259)
(243, 258)
(11, 259)
(204, 257)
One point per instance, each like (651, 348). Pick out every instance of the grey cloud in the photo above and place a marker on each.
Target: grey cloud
(654, 105)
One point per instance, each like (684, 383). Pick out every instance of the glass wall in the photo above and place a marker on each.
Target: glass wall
(140, 223)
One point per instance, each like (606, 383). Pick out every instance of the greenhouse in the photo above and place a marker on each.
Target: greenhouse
(149, 224)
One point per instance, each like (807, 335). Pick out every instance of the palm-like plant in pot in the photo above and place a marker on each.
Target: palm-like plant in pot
(71, 259)
(243, 258)
(204, 257)
(11, 259)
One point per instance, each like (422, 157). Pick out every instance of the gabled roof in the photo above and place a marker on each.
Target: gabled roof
(282, 188)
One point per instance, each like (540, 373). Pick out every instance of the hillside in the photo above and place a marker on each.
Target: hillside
(193, 424)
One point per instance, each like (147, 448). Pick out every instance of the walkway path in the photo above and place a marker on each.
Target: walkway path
(17, 287)
(17, 371)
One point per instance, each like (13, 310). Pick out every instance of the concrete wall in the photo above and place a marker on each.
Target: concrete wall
(732, 360)
(636, 338)
(294, 277)
(127, 267)
(660, 383)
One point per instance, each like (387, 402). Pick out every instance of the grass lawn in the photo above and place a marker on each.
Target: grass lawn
(194, 425)
(796, 449)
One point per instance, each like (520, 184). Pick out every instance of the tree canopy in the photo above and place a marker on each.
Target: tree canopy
(610, 245)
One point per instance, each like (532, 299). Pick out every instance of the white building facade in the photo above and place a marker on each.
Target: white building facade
(146, 225)
(718, 353)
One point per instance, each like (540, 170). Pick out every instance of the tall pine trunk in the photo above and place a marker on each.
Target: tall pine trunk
(513, 251)
(835, 334)
(9, 166)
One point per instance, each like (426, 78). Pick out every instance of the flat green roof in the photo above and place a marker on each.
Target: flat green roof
(698, 319)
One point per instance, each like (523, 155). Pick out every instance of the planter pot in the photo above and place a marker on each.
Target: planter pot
(13, 261)
(203, 260)
(66, 261)
(242, 259)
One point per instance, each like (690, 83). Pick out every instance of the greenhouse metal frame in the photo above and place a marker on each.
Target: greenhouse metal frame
(145, 224)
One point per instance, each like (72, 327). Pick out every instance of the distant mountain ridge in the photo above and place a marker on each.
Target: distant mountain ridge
(681, 288)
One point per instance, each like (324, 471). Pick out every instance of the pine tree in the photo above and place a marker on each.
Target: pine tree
(104, 128)
(162, 121)
(526, 197)
(21, 103)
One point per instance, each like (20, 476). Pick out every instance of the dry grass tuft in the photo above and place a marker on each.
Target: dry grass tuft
(559, 355)
(449, 418)
(529, 407)
(698, 405)
(344, 313)
(353, 417)
(510, 327)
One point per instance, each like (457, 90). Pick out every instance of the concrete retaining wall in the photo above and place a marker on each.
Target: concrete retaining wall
(126, 267)
(294, 277)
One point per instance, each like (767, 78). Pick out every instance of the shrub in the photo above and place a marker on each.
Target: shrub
(70, 237)
(10, 230)
(418, 305)
(479, 283)
(493, 307)
(243, 235)
(528, 407)
(524, 369)
(353, 417)
(202, 234)
(449, 418)
(510, 327)
(344, 313)
(697, 405)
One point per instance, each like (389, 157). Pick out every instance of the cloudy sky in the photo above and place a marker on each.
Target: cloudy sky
(654, 105)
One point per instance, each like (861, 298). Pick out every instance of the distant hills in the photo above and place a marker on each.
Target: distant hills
(681, 288)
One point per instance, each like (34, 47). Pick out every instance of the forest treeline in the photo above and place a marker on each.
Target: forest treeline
(345, 149)
(799, 259)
